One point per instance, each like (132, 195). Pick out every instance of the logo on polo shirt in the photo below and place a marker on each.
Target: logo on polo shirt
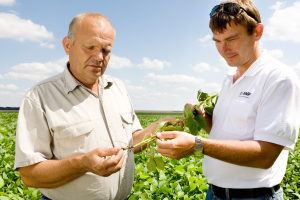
(245, 94)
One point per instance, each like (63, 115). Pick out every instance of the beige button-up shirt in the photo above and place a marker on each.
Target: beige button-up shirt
(60, 118)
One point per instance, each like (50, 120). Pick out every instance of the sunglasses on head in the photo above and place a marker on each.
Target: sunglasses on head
(230, 9)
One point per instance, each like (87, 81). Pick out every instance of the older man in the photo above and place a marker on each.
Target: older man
(71, 127)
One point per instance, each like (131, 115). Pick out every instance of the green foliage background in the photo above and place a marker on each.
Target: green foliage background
(181, 179)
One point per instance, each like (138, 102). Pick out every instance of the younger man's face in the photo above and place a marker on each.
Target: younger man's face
(235, 45)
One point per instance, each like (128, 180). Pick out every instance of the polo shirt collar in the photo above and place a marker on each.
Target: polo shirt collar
(254, 68)
(71, 82)
(257, 65)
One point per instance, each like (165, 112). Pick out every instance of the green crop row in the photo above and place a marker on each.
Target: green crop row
(181, 179)
(11, 186)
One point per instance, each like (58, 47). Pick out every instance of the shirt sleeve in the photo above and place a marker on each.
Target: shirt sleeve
(278, 115)
(33, 138)
(136, 125)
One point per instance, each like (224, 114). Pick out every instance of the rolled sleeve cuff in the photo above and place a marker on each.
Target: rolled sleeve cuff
(31, 161)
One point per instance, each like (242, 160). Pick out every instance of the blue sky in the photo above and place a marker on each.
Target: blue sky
(163, 49)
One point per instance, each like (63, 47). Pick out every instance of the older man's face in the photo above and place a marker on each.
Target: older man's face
(90, 52)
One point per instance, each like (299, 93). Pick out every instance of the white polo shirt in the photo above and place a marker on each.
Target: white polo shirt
(263, 104)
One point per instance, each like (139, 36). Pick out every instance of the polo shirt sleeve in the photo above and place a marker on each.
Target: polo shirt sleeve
(278, 114)
(33, 138)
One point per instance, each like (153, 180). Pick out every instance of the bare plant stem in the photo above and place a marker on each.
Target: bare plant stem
(145, 141)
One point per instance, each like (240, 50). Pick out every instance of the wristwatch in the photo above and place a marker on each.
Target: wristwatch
(198, 146)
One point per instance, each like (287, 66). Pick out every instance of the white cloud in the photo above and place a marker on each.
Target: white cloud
(277, 5)
(202, 67)
(184, 89)
(116, 62)
(11, 98)
(171, 92)
(283, 24)
(7, 2)
(205, 67)
(206, 38)
(134, 89)
(4, 93)
(13, 27)
(35, 71)
(153, 64)
(48, 45)
(159, 100)
(212, 87)
(8, 87)
(174, 79)
(297, 69)
(276, 53)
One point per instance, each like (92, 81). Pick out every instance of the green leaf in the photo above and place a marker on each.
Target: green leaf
(201, 96)
(20, 190)
(209, 110)
(4, 176)
(298, 195)
(196, 124)
(180, 194)
(161, 125)
(151, 166)
(192, 186)
(179, 169)
(1, 182)
(169, 128)
(201, 121)
(144, 176)
(162, 176)
(159, 163)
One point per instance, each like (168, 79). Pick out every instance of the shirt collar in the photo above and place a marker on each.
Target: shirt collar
(254, 68)
(71, 83)
(257, 65)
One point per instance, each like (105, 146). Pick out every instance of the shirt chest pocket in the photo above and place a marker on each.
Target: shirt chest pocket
(72, 139)
(127, 122)
(239, 119)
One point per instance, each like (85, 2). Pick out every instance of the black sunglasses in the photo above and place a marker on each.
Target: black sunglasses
(230, 9)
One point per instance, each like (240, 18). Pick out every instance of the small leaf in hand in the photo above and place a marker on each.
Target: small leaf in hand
(201, 96)
(159, 163)
(151, 166)
(161, 126)
(191, 122)
(169, 128)
(201, 121)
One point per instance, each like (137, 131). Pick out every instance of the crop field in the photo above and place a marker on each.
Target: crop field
(181, 179)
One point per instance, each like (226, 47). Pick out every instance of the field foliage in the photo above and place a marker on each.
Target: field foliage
(181, 179)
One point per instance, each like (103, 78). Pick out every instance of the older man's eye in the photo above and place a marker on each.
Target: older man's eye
(107, 51)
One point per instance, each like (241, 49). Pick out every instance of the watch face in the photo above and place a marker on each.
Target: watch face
(198, 147)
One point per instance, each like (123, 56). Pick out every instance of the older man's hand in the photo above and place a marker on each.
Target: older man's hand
(103, 161)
